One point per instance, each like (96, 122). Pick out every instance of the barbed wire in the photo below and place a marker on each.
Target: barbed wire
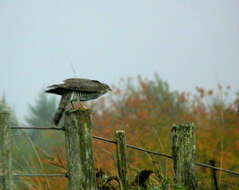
(38, 128)
(167, 156)
(41, 175)
(135, 148)
(216, 168)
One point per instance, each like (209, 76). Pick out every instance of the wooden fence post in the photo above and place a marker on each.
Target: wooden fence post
(184, 154)
(121, 158)
(79, 148)
(5, 143)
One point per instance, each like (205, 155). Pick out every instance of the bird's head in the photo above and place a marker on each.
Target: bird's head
(106, 87)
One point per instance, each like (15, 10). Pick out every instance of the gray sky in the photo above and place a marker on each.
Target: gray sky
(187, 43)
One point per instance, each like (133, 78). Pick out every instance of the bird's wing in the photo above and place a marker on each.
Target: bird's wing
(59, 89)
(76, 84)
(83, 85)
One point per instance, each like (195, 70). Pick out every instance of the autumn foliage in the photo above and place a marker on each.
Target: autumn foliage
(146, 110)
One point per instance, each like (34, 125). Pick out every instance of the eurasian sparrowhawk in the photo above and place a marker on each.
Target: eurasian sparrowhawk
(84, 88)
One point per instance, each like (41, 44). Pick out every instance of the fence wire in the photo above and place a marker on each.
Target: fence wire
(40, 175)
(128, 146)
(167, 156)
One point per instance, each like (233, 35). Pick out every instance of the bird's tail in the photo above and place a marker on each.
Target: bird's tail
(65, 98)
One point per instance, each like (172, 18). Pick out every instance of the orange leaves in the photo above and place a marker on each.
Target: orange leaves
(143, 114)
(183, 97)
(58, 160)
(201, 91)
(210, 92)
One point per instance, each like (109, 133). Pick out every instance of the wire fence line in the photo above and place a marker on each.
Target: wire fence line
(39, 128)
(135, 147)
(41, 175)
(167, 156)
(128, 146)
(216, 168)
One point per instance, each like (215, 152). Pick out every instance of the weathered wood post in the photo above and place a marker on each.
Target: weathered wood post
(184, 154)
(121, 158)
(6, 156)
(79, 148)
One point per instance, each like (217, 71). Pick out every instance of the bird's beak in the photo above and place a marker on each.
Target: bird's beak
(109, 89)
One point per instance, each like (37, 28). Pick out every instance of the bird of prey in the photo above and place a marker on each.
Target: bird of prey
(85, 89)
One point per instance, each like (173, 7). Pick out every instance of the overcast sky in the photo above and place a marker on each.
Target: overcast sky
(187, 43)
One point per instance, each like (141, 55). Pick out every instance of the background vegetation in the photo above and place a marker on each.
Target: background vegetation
(145, 109)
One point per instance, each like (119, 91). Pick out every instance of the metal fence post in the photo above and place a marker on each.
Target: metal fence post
(184, 154)
(79, 147)
(5, 143)
(121, 158)
(214, 175)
